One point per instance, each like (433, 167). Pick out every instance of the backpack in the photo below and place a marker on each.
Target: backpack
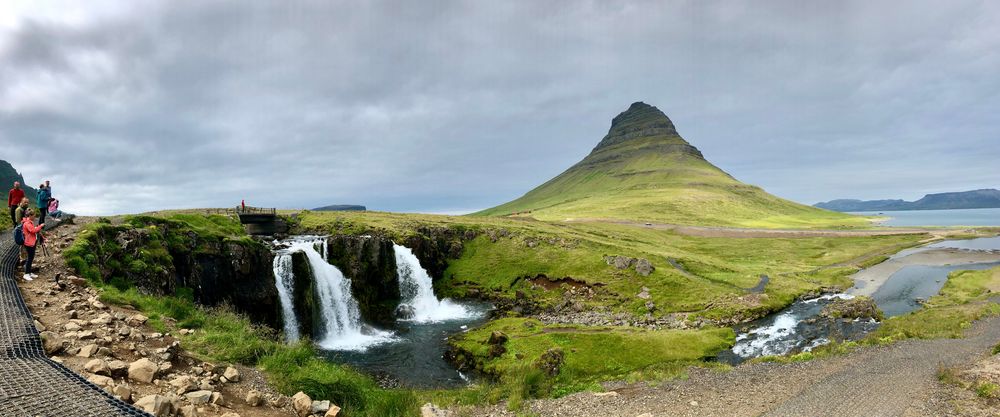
(19, 234)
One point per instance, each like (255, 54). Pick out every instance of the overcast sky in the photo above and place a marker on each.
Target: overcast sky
(438, 106)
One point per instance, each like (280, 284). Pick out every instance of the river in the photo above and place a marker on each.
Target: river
(905, 280)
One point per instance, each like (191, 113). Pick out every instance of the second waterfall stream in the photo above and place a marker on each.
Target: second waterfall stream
(417, 292)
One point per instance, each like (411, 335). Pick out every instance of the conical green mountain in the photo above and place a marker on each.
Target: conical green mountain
(642, 170)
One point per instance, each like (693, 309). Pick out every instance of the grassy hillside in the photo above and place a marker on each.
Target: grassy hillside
(710, 279)
(643, 170)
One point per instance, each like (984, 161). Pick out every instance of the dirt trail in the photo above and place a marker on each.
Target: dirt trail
(898, 380)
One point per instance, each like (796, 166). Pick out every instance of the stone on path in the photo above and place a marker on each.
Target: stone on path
(332, 412)
(232, 374)
(254, 398)
(431, 410)
(142, 370)
(199, 397)
(88, 351)
(98, 366)
(320, 407)
(302, 404)
(157, 405)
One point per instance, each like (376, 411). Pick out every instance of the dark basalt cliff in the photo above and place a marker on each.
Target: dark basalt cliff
(370, 264)
(160, 257)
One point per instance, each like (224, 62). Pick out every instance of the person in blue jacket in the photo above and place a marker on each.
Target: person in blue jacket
(44, 194)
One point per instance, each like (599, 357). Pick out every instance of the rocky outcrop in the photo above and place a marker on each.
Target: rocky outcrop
(435, 246)
(642, 266)
(370, 263)
(163, 257)
(854, 308)
(640, 120)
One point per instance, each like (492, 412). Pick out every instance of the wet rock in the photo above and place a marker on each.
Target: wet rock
(143, 370)
(405, 312)
(302, 404)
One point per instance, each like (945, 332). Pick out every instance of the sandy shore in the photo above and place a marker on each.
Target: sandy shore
(867, 281)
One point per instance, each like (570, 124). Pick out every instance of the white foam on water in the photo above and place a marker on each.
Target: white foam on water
(417, 291)
(341, 327)
(284, 281)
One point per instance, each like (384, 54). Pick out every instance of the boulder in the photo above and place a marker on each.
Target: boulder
(101, 381)
(320, 407)
(231, 374)
(644, 267)
(550, 362)
(157, 405)
(199, 397)
(254, 398)
(118, 368)
(123, 392)
(88, 351)
(184, 384)
(142, 370)
(431, 410)
(136, 320)
(52, 343)
(98, 366)
(189, 411)
(302, 404)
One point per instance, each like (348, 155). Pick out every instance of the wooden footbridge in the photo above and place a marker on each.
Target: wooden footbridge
(257, 220)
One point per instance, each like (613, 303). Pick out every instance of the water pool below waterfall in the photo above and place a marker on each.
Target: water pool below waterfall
(415, 358)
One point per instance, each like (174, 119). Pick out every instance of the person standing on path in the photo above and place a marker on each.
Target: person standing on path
(22, 209)
(44, 194)
(14, 197)
(31, 238)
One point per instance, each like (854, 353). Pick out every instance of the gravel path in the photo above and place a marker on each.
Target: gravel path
(30, 383)
(898, 380)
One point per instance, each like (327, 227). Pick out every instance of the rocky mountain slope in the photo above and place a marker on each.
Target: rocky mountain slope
(985, 198)
(7, 177)
(644, 170)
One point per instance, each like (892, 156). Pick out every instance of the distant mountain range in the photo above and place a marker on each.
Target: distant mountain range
(341, 207)
(986, 198)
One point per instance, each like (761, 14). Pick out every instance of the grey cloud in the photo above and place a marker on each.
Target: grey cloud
(443, 106)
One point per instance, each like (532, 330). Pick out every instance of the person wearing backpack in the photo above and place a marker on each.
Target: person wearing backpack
(31, 237)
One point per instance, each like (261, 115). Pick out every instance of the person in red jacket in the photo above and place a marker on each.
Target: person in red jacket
(31, 238)
(14, 197)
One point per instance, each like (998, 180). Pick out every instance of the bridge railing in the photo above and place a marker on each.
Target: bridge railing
(256, 210)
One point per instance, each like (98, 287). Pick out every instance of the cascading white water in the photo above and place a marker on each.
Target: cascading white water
(341, 325)
(284, 281)
(417, 292)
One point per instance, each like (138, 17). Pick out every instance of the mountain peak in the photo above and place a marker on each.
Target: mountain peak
(640, 120)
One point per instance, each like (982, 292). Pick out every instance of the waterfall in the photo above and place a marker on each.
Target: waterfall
(284, 281)
(340, 323)
(417, 292)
